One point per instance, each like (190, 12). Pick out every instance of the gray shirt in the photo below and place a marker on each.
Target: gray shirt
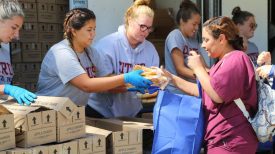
(61, 65)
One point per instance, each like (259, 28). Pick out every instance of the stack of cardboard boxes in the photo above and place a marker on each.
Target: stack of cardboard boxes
(43, 27)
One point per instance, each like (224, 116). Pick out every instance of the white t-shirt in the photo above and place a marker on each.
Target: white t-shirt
(6, 71)
(118, 58)
(61, 65)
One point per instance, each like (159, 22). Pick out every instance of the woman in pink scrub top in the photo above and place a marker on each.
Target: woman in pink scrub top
(232, 77)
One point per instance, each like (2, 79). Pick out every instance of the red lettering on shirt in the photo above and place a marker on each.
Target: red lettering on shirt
(125, 67)
(91, 71)
(6, 68)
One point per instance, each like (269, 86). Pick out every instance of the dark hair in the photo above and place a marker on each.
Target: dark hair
(76, 19)
(224, 25)
(239, 16)
(187, 8)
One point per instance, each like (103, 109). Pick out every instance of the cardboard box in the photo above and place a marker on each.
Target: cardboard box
(31, 56)
(26, 0)
(7, 133)
(16, 52)
(29, 32)
(94, 141)
(70, 118)
(48, 1)
(46, 12)
(19, 151)
(47, 32)
(61, 11)
(30, 11)
(40, 150)
(55, 149)
(119, 140)
(33, 125)
(70, 147)
(66, 2)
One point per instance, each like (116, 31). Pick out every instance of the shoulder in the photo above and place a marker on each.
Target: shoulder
(237, 59)
(107, 41)
(252, 47)
(175, 33)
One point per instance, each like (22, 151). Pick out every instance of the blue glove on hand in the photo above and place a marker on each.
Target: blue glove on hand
(135, 79)
(20, 94)
(138, 89)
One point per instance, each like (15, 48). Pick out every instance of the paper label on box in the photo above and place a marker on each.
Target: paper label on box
(36, 137)
(136, 149)
(7, 140)
(71, 131)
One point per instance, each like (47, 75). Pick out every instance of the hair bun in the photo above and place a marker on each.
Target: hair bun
(142, 2)
(237, 10)
(185, 4)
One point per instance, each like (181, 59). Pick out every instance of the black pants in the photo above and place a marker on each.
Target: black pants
(90, 112)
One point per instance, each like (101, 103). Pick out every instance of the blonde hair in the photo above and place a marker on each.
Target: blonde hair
(139, 7)
(9, 9)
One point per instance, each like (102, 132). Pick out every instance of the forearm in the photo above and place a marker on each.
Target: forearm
(186, 86)
(186, 73)
(204, 79)
(101, 84)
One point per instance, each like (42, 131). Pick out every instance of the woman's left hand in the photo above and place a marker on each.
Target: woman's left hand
(194, 60)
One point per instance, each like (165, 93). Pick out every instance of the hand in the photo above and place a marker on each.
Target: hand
(264, 58)
(264, 71)
(21, 95)
(135, 79)
(194, 61)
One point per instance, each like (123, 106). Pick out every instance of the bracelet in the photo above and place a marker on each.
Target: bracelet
(271, 72)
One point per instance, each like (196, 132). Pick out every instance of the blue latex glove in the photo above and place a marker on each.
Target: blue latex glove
(138, 89)
(135, 79)
(153, 89)
(21, 95)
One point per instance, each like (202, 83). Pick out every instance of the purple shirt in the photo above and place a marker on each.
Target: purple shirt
(232, 77)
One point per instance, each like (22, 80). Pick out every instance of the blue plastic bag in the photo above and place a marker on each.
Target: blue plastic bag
(178, 124)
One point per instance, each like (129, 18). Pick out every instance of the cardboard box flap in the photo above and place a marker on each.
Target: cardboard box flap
(63, 105)
(4, 110)
(19, 109)
(90, 130)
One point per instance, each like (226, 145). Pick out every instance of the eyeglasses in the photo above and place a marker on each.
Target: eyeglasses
(253, 25)
(143, 27)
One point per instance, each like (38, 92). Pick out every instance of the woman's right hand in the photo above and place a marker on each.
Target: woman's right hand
(264, 58)
(135, 79)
